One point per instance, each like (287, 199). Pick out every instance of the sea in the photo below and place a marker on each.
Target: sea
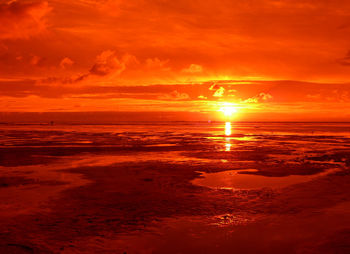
(175, 187)
(233, 144)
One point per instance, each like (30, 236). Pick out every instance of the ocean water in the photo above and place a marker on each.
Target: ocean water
(151, 132)
(246, 155)
(142, 187)
(237, 146)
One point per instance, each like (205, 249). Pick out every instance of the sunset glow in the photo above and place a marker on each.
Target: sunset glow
(166, 56)
(175, 126)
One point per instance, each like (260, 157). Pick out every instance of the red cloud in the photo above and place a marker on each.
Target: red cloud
(66, 62)
(20, 20)
(107, 62)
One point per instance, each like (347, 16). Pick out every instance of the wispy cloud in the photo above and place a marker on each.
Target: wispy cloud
(261, 97)
(174, 95)
(193, 68)
(219, 92)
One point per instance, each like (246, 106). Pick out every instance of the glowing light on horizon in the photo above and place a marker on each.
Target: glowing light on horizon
(228, 111)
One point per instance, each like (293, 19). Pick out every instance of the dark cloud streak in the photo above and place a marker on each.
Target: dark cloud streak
(22, 19)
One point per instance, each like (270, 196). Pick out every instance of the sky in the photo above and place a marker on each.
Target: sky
(269, 59)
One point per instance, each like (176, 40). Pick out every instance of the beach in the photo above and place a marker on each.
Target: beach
(175, 187)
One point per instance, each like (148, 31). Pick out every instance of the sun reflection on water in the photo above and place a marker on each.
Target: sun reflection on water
(227, 145)
(228, 129)
(228, 132)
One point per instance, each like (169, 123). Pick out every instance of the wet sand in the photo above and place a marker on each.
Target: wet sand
(170, 191)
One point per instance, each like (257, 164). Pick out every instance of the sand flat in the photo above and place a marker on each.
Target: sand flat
(124, 192)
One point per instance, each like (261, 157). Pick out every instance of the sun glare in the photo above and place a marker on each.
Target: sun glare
(228, 110)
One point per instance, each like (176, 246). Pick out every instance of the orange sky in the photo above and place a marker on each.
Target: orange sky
(160, 55)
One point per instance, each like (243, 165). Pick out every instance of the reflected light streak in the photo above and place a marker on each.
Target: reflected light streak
(228, 130)
(228, 146)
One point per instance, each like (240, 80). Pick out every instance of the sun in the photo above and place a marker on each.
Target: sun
(228, 110)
